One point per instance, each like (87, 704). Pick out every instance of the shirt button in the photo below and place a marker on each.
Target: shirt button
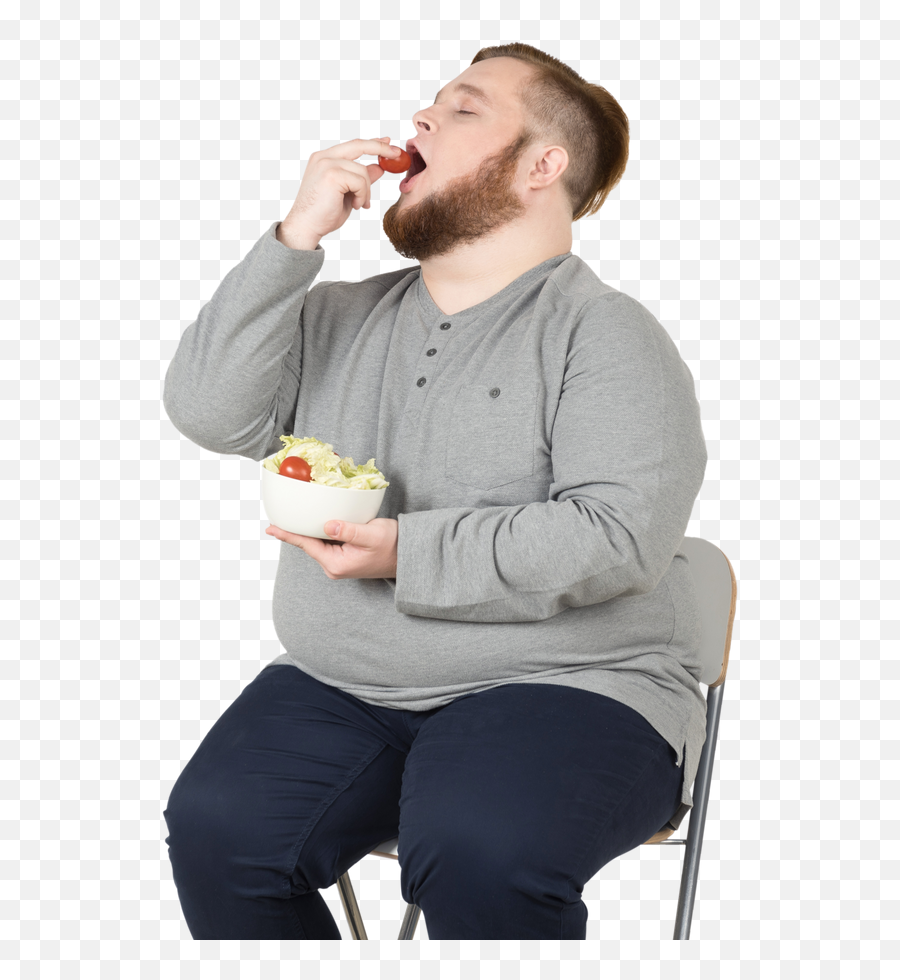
(431, 353)
(420, 382)
(495, 392)
(445, 326)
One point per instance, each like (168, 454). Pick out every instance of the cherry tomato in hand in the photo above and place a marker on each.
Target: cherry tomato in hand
(296, 467)
(396, 165)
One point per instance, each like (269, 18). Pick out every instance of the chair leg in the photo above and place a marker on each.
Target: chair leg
(688, 888)
(691, 868)
(351, 909)
(410, 921)
(354, 918)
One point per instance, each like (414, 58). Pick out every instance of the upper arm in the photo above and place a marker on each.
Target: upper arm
(627, 437)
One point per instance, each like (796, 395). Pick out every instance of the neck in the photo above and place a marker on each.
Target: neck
(474, 272)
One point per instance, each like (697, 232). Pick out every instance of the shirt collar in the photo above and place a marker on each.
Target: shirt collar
(431, 311)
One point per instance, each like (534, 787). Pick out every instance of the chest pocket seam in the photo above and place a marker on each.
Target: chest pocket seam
(490, 440)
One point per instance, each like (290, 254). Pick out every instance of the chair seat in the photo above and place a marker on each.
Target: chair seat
(388, 848)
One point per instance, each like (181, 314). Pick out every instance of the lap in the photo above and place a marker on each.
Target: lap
(286, 753)
(304, 780)
(542, 773)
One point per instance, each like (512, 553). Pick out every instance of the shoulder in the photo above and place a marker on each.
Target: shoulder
(577, 281)
(600, 313)
(615, 334)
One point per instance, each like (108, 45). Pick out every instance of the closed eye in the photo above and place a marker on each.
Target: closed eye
(463, 112)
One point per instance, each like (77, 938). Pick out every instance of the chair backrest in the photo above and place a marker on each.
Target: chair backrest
(716, 589)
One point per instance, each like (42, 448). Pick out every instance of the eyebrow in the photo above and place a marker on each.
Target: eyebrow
(472, 90)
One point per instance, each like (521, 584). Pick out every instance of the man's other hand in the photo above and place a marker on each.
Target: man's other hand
(355, 551)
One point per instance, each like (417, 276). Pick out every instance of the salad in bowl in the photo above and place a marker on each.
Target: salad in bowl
(306, 484)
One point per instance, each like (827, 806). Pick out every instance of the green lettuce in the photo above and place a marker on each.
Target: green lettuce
(326, 467)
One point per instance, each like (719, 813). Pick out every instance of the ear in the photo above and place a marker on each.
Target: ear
(548, 165)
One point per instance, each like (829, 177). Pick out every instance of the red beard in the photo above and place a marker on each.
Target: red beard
(468, 208)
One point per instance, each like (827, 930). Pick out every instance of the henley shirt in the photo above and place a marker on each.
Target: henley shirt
(544, 450)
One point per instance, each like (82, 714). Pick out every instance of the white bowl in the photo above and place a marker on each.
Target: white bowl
(304, 508)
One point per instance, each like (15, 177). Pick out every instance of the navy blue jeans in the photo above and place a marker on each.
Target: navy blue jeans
(505, 803)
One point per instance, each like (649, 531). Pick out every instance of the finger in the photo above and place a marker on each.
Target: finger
(353, 178)
(349, 533)
(298, 540)
(374, 173)
(286, 536)
(340, 531)
(349, 167)
(358, 148)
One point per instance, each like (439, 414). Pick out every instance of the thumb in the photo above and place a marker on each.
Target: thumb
(342, 531)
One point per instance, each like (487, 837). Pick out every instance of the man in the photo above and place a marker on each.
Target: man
(503, 668)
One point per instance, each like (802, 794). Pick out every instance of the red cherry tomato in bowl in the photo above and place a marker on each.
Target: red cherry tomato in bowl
(396, 165)
(296, 467)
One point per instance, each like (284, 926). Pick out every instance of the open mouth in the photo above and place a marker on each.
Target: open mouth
(417, 166)
(418, 163)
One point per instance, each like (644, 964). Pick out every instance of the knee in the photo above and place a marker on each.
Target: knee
(468, 857)
(202, 816)
(477, 883)
(184, 814)
(223, 835)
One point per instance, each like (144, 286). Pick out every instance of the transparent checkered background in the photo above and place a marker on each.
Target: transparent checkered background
(146, 147)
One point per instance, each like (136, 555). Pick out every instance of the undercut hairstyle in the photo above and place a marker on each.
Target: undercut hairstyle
(583, 118)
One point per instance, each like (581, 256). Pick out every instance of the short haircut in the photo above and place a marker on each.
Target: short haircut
(583, 118)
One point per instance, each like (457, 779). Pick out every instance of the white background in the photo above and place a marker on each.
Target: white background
(145, 148)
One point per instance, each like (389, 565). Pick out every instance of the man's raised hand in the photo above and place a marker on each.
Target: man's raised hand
(333, 185)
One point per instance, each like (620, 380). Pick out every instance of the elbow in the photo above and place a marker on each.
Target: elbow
(169, 405)
(171, 408)
(191, 424)
(640, 574)
(174, 399)
(638, 580)
(176, 408)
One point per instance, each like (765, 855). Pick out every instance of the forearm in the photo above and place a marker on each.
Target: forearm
(236, 373)
(525, 563)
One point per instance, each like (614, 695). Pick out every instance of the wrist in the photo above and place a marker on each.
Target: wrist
(295, 238)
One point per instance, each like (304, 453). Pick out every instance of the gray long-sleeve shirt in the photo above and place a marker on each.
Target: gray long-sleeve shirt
(544, 450)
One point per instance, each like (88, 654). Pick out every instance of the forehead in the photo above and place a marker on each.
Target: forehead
(495, 82)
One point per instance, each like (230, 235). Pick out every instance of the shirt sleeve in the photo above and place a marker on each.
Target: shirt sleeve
(628, 458)
(233, 383)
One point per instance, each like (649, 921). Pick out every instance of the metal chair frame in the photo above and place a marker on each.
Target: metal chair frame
(711, 583)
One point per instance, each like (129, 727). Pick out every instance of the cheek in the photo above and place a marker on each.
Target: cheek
(456, 157)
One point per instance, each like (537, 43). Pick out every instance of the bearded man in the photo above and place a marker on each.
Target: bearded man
(501, 669)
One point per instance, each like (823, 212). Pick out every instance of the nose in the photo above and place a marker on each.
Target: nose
(420, 121)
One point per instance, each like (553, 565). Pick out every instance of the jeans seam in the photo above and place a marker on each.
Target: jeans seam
(367, 760)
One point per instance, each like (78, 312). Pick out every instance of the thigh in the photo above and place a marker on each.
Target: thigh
(293, 784)
(541, 780)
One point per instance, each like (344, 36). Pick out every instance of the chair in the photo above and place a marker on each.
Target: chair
(716, 590)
